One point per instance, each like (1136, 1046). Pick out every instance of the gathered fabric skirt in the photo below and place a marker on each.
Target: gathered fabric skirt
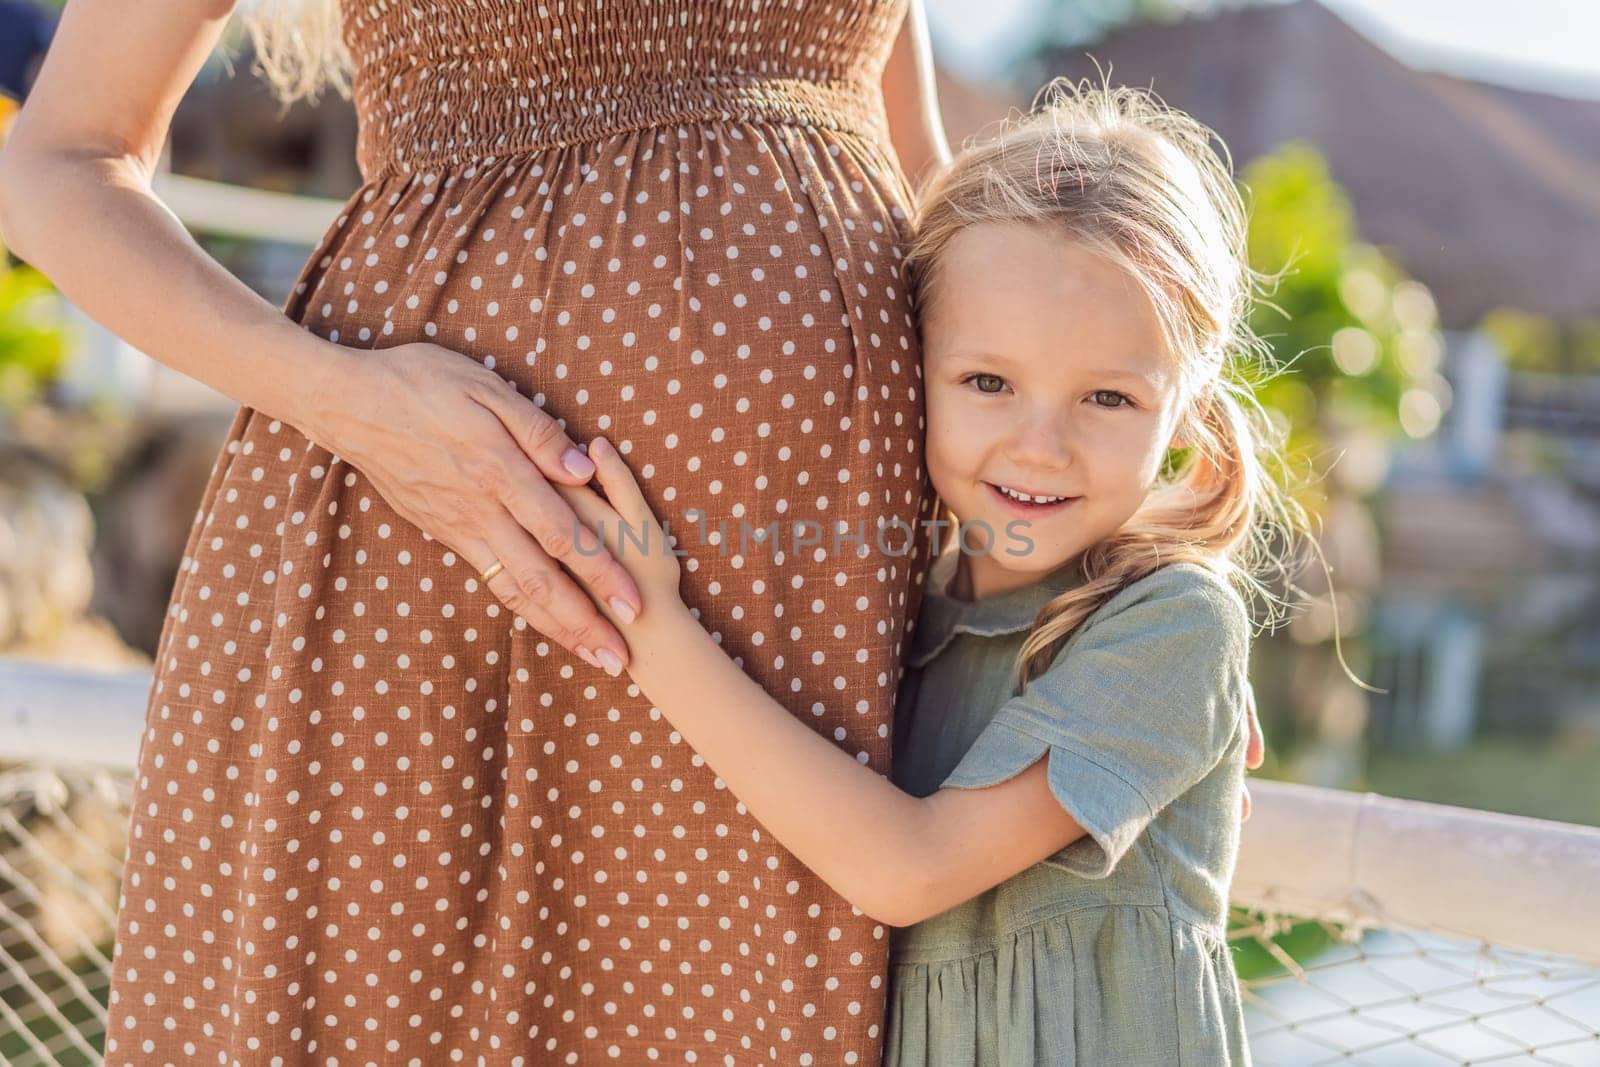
(380, 819)
(1115, 984)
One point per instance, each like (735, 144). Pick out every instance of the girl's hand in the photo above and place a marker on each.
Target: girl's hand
(1255, 750)
(456, 450)
(623, 523)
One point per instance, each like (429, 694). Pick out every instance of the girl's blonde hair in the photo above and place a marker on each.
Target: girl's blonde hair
(1137, 183)
(298, 47)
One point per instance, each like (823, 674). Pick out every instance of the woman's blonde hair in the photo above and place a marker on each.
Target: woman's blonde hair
(298, 47)
(1136, 182)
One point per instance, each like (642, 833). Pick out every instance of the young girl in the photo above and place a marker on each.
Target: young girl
(1056, 847)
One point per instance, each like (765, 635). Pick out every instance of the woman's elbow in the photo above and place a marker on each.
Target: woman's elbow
(29, 176)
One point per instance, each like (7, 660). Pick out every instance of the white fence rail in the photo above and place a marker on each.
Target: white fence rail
(1368, 929)
(240, 211)
(1361, 858)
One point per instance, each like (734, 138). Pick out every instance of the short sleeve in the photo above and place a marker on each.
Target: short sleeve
(1139, 705)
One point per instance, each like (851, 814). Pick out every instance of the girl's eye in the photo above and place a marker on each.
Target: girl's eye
(1110, 398)
(980, 377)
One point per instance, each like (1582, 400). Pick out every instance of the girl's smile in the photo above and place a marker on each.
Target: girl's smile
(1037, 505)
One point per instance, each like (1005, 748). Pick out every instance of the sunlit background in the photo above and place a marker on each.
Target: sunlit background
(1432, 169)
(1544, 45)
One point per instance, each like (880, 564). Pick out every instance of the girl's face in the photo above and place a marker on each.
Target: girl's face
(1046, 373)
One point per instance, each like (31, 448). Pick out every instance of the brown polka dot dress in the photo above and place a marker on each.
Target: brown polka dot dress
(381, 820)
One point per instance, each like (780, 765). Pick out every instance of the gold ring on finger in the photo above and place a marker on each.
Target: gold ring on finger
(494, 568)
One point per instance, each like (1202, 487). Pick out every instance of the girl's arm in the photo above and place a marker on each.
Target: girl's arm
(896, 857)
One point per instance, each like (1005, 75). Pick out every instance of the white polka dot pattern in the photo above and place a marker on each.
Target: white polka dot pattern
(378, 818)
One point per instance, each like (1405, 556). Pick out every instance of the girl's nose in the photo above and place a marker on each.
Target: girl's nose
(1042, 444)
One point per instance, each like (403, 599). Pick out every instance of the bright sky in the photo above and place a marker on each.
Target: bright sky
(1551, 45)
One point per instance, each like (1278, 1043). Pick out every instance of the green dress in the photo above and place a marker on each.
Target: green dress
(1113, 950)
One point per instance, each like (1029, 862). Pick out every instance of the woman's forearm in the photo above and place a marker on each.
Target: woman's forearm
(91, 224)
(859, 832)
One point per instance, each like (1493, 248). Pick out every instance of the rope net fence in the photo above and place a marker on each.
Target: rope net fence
(1321, 992)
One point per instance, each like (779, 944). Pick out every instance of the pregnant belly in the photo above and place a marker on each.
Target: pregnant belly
(725, 303)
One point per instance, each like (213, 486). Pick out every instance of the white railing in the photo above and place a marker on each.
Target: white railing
(1361, 858)
(240, 211)
(1368, 929)
(105, 367)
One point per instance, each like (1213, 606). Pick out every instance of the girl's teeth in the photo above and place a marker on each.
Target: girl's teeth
(1026, 499)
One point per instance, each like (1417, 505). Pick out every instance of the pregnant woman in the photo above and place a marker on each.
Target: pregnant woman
(383, 814)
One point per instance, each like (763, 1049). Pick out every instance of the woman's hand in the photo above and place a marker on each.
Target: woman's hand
(622, 522)
(456, 450)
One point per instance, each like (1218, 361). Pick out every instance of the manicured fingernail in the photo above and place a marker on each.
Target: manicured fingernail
(608, 660)
(623, 609)
(578, 463)
(588, 657)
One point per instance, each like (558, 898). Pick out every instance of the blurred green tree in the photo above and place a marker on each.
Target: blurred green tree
(33, 344)
(1356, 342)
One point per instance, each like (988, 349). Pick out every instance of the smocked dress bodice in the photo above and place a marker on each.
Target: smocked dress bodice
(452, 80)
